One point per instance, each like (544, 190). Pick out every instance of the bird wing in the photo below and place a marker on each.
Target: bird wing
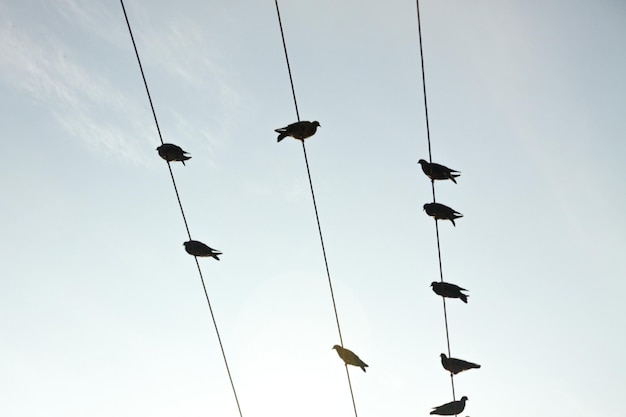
(453, 286)
(465, 364)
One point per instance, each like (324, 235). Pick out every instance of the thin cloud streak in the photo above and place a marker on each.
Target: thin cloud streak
(74, 94)
(179, 46)
(90, 105)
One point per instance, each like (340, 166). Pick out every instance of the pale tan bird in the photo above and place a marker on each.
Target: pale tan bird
(298, 130)
(438, 172)
(450, 409)
(455, 365)
(197, 248)
(171, 152)
(350, 358)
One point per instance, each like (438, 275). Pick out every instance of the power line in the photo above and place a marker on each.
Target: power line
(282, 34)
(430, 157)
(182, 211)
(317, 217)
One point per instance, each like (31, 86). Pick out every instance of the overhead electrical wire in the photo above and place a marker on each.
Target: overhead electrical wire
(182, 211)
(430, 158)
(317, 218)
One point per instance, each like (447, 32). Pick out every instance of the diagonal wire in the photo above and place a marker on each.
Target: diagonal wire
(182, 211)
(317, 217)
(282, 34)
(430, 157)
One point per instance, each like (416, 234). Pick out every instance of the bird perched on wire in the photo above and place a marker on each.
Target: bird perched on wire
(350, 358)
(445, 289)
(455, 365)
(197, 248)
(298, 130)
(450, 409)
(171, 152)
(441, 212)
(438, 172)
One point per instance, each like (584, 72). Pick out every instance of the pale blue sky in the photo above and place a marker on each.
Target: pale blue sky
(102, 312)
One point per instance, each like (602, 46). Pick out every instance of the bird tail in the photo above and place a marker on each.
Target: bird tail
(282, 135)
(363, 367)
(453, 176)
(455, 216)
(214, 255)
(464, 298)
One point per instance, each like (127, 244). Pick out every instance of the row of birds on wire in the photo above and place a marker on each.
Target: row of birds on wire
(439, 211)
(302, 130)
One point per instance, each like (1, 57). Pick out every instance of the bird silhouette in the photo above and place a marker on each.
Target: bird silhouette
(450, 409)
(171, 152)
(438, 172)
(350, 358)
(441, 212)
(298, 130)
(455, 365)
(197, 248)
(448, 290)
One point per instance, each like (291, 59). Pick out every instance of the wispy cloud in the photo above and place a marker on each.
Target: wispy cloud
(89, 102)
(86, 104)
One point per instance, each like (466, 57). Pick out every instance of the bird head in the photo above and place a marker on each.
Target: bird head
(464, 398)
(432, 284)
(422, 162)
(443, 356)
(336, 347)
(316, 123)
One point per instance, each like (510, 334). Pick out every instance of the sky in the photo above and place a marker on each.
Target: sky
(102, 312)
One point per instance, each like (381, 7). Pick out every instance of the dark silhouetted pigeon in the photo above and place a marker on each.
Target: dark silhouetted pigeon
(441, 212)
(350, 358)
(171, 152)
(445, 289)
(196, 248)
(455, 365)
(298, 130)
(450, 409)
(438, 172)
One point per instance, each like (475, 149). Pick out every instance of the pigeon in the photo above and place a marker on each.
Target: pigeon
(441, 212)
(438, 172)
(171, 152)
(196, 248)
(350, 358)
(298, 130)
(455, 365)
(450, 409)
(445, 289)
